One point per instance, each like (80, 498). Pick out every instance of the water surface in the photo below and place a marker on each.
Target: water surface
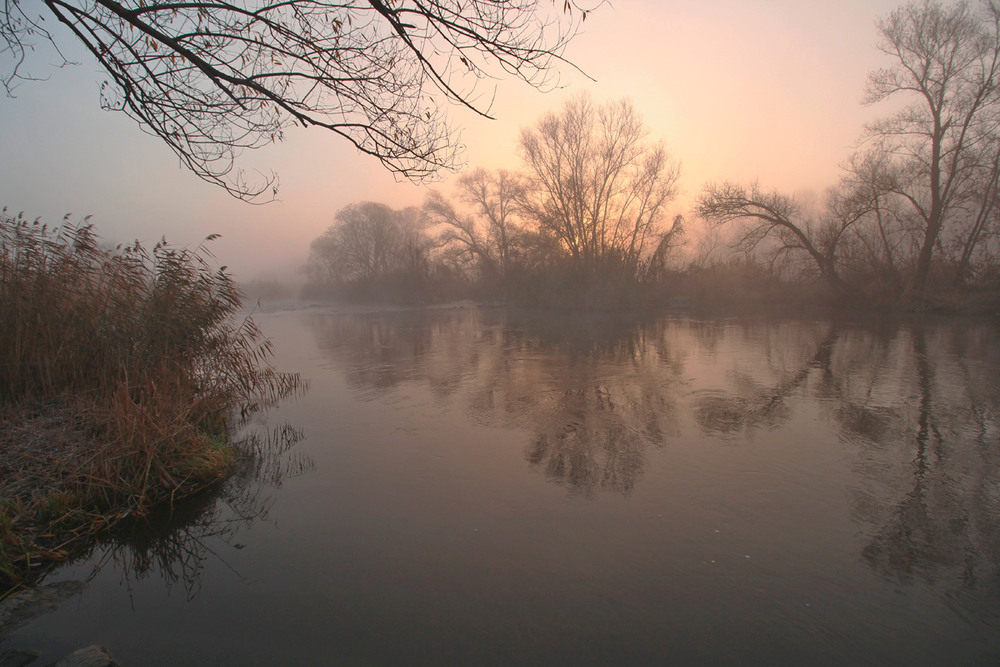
(477, 486)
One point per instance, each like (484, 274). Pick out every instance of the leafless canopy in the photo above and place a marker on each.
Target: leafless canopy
(598, 185)
(942, 146)
(213, 77)
(487, 237)
(368, 241)
(773, 216)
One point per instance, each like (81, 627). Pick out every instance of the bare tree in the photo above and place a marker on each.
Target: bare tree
(368, 241)
(488, 235)
(596, 183)
(211, 77)
(778, 218)
(982, 215)
(947, 66)
(882, 240)
(656, 266)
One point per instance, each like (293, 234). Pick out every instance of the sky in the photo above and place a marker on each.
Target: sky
(769, 91)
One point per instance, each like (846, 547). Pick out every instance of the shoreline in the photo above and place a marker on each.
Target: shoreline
(53, 498)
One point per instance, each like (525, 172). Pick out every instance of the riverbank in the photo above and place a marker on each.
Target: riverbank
(125, 371)
(63, 481)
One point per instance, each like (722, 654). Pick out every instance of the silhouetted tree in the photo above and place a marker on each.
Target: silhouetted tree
(596, 183)
(488, 236)
(778, 218)
(882, 242)
(369, 246)
(212, 77)
(656, 266)
(947, 67)
(982, 217)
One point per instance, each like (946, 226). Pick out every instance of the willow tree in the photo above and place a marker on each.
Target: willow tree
(213, 77)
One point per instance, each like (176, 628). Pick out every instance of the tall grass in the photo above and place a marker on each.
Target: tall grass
(138, 358)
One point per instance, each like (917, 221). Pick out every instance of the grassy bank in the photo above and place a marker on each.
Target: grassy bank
(124, 371)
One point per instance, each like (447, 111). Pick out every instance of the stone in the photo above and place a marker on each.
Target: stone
(92, 656)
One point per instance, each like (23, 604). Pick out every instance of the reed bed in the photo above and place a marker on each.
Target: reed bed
(124, 370)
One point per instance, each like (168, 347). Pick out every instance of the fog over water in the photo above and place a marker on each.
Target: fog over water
(736, 91)
(596, 402)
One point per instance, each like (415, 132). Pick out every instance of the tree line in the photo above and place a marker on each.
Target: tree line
(583, 223)
(914, 219)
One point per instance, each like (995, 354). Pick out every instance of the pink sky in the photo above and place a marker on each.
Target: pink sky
(767, 90)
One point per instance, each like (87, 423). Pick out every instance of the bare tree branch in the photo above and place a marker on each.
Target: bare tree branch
(213, 77)
(597, 184)
(942, 145)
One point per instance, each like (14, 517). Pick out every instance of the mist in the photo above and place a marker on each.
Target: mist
(477, 332)
(769, 93)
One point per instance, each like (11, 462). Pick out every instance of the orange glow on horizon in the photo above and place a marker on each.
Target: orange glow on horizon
(769, 92)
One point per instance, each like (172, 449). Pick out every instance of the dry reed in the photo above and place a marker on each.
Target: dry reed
(123, 371)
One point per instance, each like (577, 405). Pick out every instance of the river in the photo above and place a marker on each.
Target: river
(472, 485)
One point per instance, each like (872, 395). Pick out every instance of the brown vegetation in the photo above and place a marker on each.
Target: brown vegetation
(123, 372)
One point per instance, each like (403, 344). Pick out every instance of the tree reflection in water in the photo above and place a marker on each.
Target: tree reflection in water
(917, 408)
(596, 392)
(759, 394)
(929, 456)
(175, 545)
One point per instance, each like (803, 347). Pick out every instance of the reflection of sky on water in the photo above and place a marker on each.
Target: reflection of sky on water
(493, 487)
(915, 404)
